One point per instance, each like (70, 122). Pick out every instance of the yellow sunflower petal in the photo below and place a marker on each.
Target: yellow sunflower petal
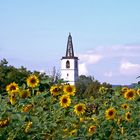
(125, 106)
(32, 81)
(128, 116)
(65, 101)
(124, 89)
(110, 113)
(130, 94)
(12, 87)
(92, 129)
(69, 89)
(73, 132)
(80, 108)
(138, 92)
(24, 93)
(55, 90)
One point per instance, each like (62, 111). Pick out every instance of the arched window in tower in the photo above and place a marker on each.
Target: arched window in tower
(67, 64)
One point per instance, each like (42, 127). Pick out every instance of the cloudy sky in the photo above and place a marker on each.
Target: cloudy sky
(106, 36)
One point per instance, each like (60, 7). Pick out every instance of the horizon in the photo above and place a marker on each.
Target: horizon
(105, 34)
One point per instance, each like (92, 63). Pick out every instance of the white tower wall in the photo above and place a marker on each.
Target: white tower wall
(69, 74)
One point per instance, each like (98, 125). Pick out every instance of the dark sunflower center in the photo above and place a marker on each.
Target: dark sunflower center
(73, 133)
(55, 90)
(128, 116)
(79, 108)
(92, 129)
(125, 106)
(33, 80)
(12, 88)
(69, 89)
(64, 100)
(13, 96)
(130, 94)
(110, 113)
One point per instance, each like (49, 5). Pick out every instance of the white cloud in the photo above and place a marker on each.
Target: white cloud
(115, 63)
(117, 50)
(127, 68)
(90, 58)
(83, 69)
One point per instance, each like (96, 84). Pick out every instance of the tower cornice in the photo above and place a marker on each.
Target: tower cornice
(64, 57)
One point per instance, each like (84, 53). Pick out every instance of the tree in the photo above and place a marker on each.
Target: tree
(92, 89)
(87, 86)
(3, 62)
(9, 74)
(82, 84)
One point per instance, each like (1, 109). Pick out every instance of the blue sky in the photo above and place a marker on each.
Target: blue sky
(106, 36)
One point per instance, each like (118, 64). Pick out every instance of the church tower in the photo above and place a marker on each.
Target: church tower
(69, 64)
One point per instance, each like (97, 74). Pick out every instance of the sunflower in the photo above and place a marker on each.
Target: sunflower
(27, 108)
(138, 92)
(105, 103)
(4, 122)
(122, 130)
(110, 113)
(73, 132)
(12, 97)
(12, 87)
(119, 120)
(24, 93)
(32, 81)
(103, 90)
(69, 89)
(55, 90)
(28, 126)
(94, 119)
(125, 106)
(80, 108)
(130, 94)
(74, 125)
(65, 101)
(92, 129)
(124, 89)
(65, 130)
(128, 116)
(38, 93)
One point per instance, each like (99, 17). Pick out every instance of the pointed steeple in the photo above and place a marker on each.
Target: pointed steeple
(70, 51)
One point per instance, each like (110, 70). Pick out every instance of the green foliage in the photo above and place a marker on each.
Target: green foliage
(48, 120)
(9, 74)
(82, 83)
(87, 86)
(51, 121)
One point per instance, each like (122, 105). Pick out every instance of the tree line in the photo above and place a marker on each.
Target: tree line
(86, 86)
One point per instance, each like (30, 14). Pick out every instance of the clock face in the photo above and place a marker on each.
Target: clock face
(67, 64)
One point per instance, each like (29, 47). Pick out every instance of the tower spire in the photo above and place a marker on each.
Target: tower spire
(70, 51)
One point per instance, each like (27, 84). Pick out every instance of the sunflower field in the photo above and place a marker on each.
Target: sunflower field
(56, 113)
